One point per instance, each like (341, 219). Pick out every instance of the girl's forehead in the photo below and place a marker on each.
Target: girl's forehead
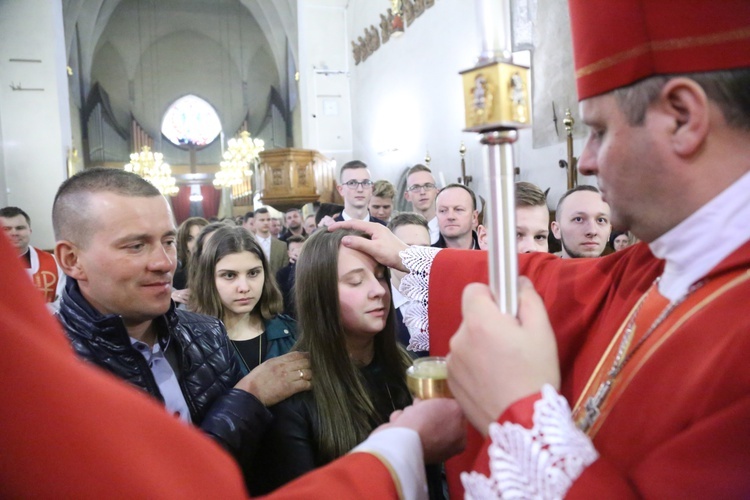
(239, 259)
(353, 259)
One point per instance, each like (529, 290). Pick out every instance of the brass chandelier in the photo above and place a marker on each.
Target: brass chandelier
(151, 166)
(241, 153)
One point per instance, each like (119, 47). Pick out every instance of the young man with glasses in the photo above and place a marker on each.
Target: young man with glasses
(355, 187)
(421, 191)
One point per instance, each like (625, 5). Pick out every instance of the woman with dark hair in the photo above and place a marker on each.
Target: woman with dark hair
(619, 240)
(230, 280)
(187, 234)
(347, 324)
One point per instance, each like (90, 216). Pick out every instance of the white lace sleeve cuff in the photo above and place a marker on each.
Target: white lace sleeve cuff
(400, 450)
(541, 462)
(415, 285)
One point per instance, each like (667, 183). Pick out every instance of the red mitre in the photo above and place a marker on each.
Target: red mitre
(618, 42)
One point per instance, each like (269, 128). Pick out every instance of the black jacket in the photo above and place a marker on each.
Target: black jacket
(440, 243)
(200, 355)
(290, 447)
(340, 218)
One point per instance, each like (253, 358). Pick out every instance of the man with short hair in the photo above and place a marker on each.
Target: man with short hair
(46, 275)
(457, 214)
(421, 191)
(116, 242)
(582, 223)
(274, 249)
(249, 222)
(277, 227)
(310, 225)
(293, 221)
(532, 218)
(355, 187)
(381, 203)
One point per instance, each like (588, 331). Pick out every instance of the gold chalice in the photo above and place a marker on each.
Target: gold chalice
(428, 378)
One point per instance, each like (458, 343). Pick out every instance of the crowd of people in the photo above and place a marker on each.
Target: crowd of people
(276, 363)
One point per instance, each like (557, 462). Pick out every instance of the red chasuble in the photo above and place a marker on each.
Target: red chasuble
(46, 277)
(676, 422)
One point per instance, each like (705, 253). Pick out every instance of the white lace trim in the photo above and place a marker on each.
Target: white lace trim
(415, 285)
(541, 462)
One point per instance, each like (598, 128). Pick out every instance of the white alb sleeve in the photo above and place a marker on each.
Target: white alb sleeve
(400, 449)
(415, 285)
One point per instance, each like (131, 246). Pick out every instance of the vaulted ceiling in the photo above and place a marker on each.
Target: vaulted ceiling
(277, 20)
(146, 53)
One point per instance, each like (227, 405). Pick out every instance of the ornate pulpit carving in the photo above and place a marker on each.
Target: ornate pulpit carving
(291, 177)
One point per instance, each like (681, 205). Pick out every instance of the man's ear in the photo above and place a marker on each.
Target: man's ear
(68, 258)
(686, 104)
(555, 229)
(340, 189)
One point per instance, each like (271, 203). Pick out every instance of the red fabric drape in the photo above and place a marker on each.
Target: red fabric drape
(181, 204)
(211, 199)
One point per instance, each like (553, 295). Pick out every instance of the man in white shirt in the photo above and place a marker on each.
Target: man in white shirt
(421, 191)
(355, 186)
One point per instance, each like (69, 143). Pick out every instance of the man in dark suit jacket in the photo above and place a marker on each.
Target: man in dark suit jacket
(457, 216)
(355, 187)
(285, 275)
(293, 221)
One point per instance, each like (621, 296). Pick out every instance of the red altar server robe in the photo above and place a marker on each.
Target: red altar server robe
(69, 430)
(680, 426)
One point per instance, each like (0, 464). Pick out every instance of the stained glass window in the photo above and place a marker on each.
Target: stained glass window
(191, 121)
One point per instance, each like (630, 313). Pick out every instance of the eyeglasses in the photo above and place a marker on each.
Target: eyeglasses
(420, 187)
(352, 184)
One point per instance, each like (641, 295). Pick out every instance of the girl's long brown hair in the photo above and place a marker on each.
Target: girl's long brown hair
(345, 413)
(183, 233)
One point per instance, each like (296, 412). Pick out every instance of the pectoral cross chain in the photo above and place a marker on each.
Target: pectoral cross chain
(594, 404)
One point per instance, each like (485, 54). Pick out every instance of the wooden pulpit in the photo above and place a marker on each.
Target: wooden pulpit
(290, 178)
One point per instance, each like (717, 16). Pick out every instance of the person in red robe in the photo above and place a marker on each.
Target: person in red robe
(623, 376)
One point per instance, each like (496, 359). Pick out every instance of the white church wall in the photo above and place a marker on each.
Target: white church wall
(35, 125)
(325, 102)
(407, 99)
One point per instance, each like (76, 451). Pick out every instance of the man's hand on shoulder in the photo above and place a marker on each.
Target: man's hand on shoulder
(278, 378)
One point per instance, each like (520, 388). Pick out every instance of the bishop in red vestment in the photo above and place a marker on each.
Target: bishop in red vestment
(651, 342)
(624, 376)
